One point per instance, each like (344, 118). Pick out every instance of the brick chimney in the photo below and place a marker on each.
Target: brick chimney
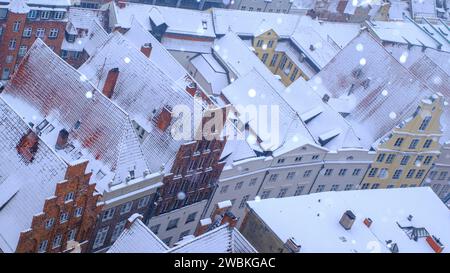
(121, 4)
(133, 219)
(368, 222)
(347, 220)
(63, 137)
(230, 219)
(191, 88)
(147, 49)
(110, 83)
(292, 245)
(203, 226)
(164, 118)
(28, 146)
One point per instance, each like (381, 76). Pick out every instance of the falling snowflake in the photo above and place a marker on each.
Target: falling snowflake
(392, 115)
(89, 94)
(404, 57)
(359, 47)
(362, 61)
(181, 195)
(384, 92)
(127, 60)
(252, 93)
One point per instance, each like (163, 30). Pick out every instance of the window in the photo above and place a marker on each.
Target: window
(356, 172)
(118, 230)
(238, 186)
(427, 143)
(348, 187)
(334, 187)
(49, 223)
(253, 182)
(78, 212)
(243, 7)
(100, 237)
(143, 202)
(58, 15)
(32, 14)
(53, 33)
(390, 186)
(420, 174)
(307, 173)
(16, 26)
(42, 246)
(403, 185)
(328, 172)
(259, 43)
(320, 188)
(373, 172)
(298, 159)
(155, 228)
(442, 175)
(264, 57)
(405, 160)
(390, 158)
(397, 174)
(172, 224)
(426, 121)
(410, 173)
(280, 161)
(243, 201)
(294, 74)
(184, 234)
(399, 142)
(273, 177)
(224, 189)
(57, 241)
(45, 14)
(126, 207)
(191, 217)
(265, 194)
(107, 215)
(419, 159)
(290, 175)
(9, 59)
(375, 186)
(432, 175)
(315, 157)
(413, 144)
(365, 186)
(12, 44)
(342, 172)
(270, 44)
(27, 32)
(383, 173)
(282, 193)
(299, 190)
(63, 217)
(428, 160)
(72, 235)
(22, 51)
(380, 157)
(40, 32)
(282, 62)
(274, 60)
(69, 197)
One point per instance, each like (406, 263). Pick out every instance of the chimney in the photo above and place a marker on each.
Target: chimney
(164, 118)
(368, 222)
(132, 219)
(28, 146)
(292, 245)
(121, 4)
(63, 137)
(203, 226)
(435, 244)
(191, 88)
(229, 218)
(347, 220)
(147, 49)
(110, 83)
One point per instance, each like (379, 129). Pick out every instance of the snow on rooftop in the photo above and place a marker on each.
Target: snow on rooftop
(365, 81)
(24, 185)
(210, 69)
(313, 220)
(64, 3)
(51, 94)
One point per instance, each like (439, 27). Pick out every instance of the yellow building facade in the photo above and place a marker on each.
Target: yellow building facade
(278, 62)
(405, 156)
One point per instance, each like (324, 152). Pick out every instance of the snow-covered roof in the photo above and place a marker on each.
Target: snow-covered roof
(138, 238)
(49, 93)
(303, 4)
(142, 89)
(253, 90)
(24, 185)
(96, 37)
(423, 8)
(212, 71)
(313, 220)
(247, 23)
(223, 239)
(81, 18)
(64, 3)
(139, 36)
(179, 21)
(18, 6)
(366, 82)
(410, 32)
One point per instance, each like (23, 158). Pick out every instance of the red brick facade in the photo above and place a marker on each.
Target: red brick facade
(72, 212)
(13, 37)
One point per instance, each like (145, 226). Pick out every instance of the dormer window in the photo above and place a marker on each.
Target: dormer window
(205, 24)
(32, 14)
